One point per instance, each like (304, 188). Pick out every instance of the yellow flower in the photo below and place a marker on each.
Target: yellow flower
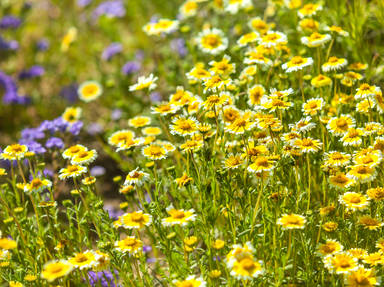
(340, 263)
(361, 277)
(336, 159)
(330, 247)
(297, 63)
(191, 145)
(183, 180)
(362, 173)
(374, 259)
(164, 109)
(241, 124)
(330, 226)
(15, 284)
(71, 114)
(308, 145)
(155, 152)
(272, 39)
(245, 39)
(151, 131)
(72, 171)
(321, 81)
(212, 41)
(68, 39)
(218, 244)
(222, 67)
(6, 243)
(261, 164)
(354, 201)
(178, 216)
(315, 39)
(135, 220)
(37, 184)
(56, 269)
(14, 152)
(334, 64)
(190, 281)
(144, 83)
(309, 24)
(340, 125)
(130, 244)
(376, 193)
(309, 9)
(84, 157)
(352, 137)
(341, 181)
(72, 151)
(83, 260)
(136, 177)
(89, 91)
(313, 106)
(292, 221)
(139, 121)
(246, 268)
(233, 162)
(184, 126)
(370, 223)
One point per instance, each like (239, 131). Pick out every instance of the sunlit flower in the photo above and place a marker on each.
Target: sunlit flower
(130, 245)
(222, 67)
(72, 151)
(161, 26)
(56, 269)
(341, 181)
(374, 259)
(212, 41)
(71, 114)
(184, 126)
(241, 124)
(190, 281)
(292, 221)
(37, 185)
(183, 180)
(361, 277)
(297, 63)
(259, 25)
(164, 109)
(72, 171)
(340, 263)
(330, 247)
(362, 173)
(309, 10)
(136, 177)
(308, 145)
(255, 94)
(188, 8)
(139, 121)
(14, 152)
(261, 164)
(233, 162)
(84, 157)
(370, 223)
(135, 220)
(336, 159)
(144, 83)
(334, 64)
(352, 137)
(313, 106)
(376, 193)
(315, 39)
(84, 260)
(155, 152)
(354, 201)
(272, 39)
(248, 38)
(365, 90)
(178, 217)
(340, 125)
(89, 91)
(321, 81)
(7, 243)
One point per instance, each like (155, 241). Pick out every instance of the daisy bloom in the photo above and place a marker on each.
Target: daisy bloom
(191, 145)
(272, 39)
(315, 39)
(309, 24)
(358, 253)
(72, 171)
(164, 109)
(308, 145)
(241, 124)
(135, 220)
(337, 30)
(183, 180)
(89, 91)
(136, 177)
(161, 26)
(255, 94)
(352, 137)
(198, 73)
(321, 81)
(84, 157)
(84, 260)
(330, 247)
(374, 259)
(362, 173)
(309, 10)
(233, 162)
(215, 101)
(292, 221)
(130, 245)
(256, 57)
(14, 152)
(259, 25)
(365, 90)
(71, 114)
(155, 152)
(72, 151)
(178, 217)
(370, 223)
(188, 9)
(376, 193)
(7, 244)
(144, 83)
(313, 106)
(334, 64)
(233, 6)
(190, 281)
(139, 121)
(248, 38)
(362, 277)
(340, 263)
(184, 126)
(261, 164)
(297, 63)
(354, 201)
(246, 267)
(341, 181)
(336, 159)
(340, 125)
(56, 269)
(358, 66)
(37, 185)
(212, 41)
(222, 67)
(151, 131)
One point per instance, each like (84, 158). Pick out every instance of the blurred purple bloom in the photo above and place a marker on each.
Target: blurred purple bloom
(116, 114)
(9, 22)
(33, 146)
(11, 96)
(54, 142)
(94, 129)
(111, 9)
(151, 260)
(59, 124)
(104, 278)
(97, 170)
(48, 172)
(111, 50)
(32, 72)
(42, 45)
(139, 56)
(147, 248)
(83, 3)
(70, 92)
(131, 67)
(155, 97)
(75, 128)
(32, 134)
(8, 46)
(178, 45)
(112, 212)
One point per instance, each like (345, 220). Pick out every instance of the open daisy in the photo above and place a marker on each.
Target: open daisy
(340, 125)
(292, 221)
(308, 145)
(144, 83)
(136, 177)
(178, 217)
(71, 114)
(56, 269)
(84, 157)
(84, 260)
(155, 152)
(272, 39)
(313, 106)
(130, 245)
(190, 281)
(135, 220)
(354, 201)
(297, 63)
(89, 91)
(334, 64)
(72, 171)
(340, 263)
(261, 164)
(37, 185)
(315, 39)
(184, 126)
(212, 41)
(14, 152)
(362, 173)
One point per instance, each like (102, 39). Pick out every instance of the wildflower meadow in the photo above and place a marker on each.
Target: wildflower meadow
(191, 143)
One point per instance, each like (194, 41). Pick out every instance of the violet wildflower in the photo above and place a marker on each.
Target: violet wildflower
(8, 45)
(83, 3)
(42, 45)
(178, 45)
(11, 95)
(110, 9)
(94, 129)
(32, 134)
(32, 72)
(97, 170)
(75, 128)
(54, 142)
(112, 50)
(70, 92)
(116, 114)
(9, 22)
(131, 67)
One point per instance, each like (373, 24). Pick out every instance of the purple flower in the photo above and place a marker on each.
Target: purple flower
(59, 124)
(97, 170)
(11, 95)
(42, 45)
(54, 142)
(131, 67)
(103, 278)
(178, 45)
(116, 114)
(9, 22)
(111, 9)
(112, 212)
(32, 72)
(155, 97)
(83, 3)
(70, 92)
(112, 50)
(94, 129)
(32, 134)
(48, 172)
(33, 146)
(8, 46)
(147, 248)
(75, 128)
